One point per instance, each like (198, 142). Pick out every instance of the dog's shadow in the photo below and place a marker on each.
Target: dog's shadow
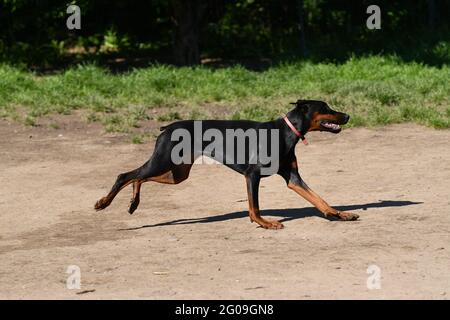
(286, 214)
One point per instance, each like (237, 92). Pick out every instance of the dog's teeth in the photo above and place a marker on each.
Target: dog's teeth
(330, 125)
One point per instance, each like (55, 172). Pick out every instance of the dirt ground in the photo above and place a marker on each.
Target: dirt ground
(195, 240)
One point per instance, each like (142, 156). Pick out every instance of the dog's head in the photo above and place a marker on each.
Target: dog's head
(318, 116)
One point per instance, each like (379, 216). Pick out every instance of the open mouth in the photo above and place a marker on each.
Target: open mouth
(330, 126)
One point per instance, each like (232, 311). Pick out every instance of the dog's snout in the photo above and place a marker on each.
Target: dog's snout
(346, 118)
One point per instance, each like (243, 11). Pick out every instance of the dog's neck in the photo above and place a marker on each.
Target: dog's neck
(297, 118)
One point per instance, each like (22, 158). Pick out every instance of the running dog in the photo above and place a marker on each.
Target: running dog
(307, 115)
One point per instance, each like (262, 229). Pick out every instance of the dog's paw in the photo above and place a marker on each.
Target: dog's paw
(133, 205)
(276, 225)
(347, 216)
(101, 204)
(271, 224)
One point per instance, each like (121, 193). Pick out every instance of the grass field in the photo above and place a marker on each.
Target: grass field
(373, 90)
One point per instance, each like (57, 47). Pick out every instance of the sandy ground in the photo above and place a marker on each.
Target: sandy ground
(195, 240)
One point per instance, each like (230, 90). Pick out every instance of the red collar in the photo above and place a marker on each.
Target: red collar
(296, 132)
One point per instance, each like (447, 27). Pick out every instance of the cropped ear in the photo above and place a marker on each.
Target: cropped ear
(301, 105)
(298, 102)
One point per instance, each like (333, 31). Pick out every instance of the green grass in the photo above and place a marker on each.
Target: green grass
(373, 90)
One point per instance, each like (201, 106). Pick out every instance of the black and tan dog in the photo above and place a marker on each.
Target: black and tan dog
(308, 115)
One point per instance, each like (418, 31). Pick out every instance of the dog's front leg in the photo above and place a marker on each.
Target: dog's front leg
(252, 192)
(296, 183)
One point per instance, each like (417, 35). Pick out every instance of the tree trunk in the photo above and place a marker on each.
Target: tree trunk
(187, 15)
(301, 26)
(432, 14)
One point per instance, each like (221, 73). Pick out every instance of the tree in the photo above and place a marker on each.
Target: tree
(432, 14)
(301, 26)
(187, 16)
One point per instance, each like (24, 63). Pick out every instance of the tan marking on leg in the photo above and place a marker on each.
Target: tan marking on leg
(174, 176)
(163, 178)
(136, 188)
(321, 204)
(106, 201)
(254, 214)
(136, 196)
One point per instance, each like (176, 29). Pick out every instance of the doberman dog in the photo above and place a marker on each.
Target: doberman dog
(308, 115)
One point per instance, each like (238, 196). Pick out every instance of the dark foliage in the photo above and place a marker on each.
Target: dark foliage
(135, 33)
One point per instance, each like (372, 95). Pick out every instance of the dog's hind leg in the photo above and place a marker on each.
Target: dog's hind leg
(173, 176)
(152, 167)
(157, 164)
(122, 181)
(159, 168)
(136, 196)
